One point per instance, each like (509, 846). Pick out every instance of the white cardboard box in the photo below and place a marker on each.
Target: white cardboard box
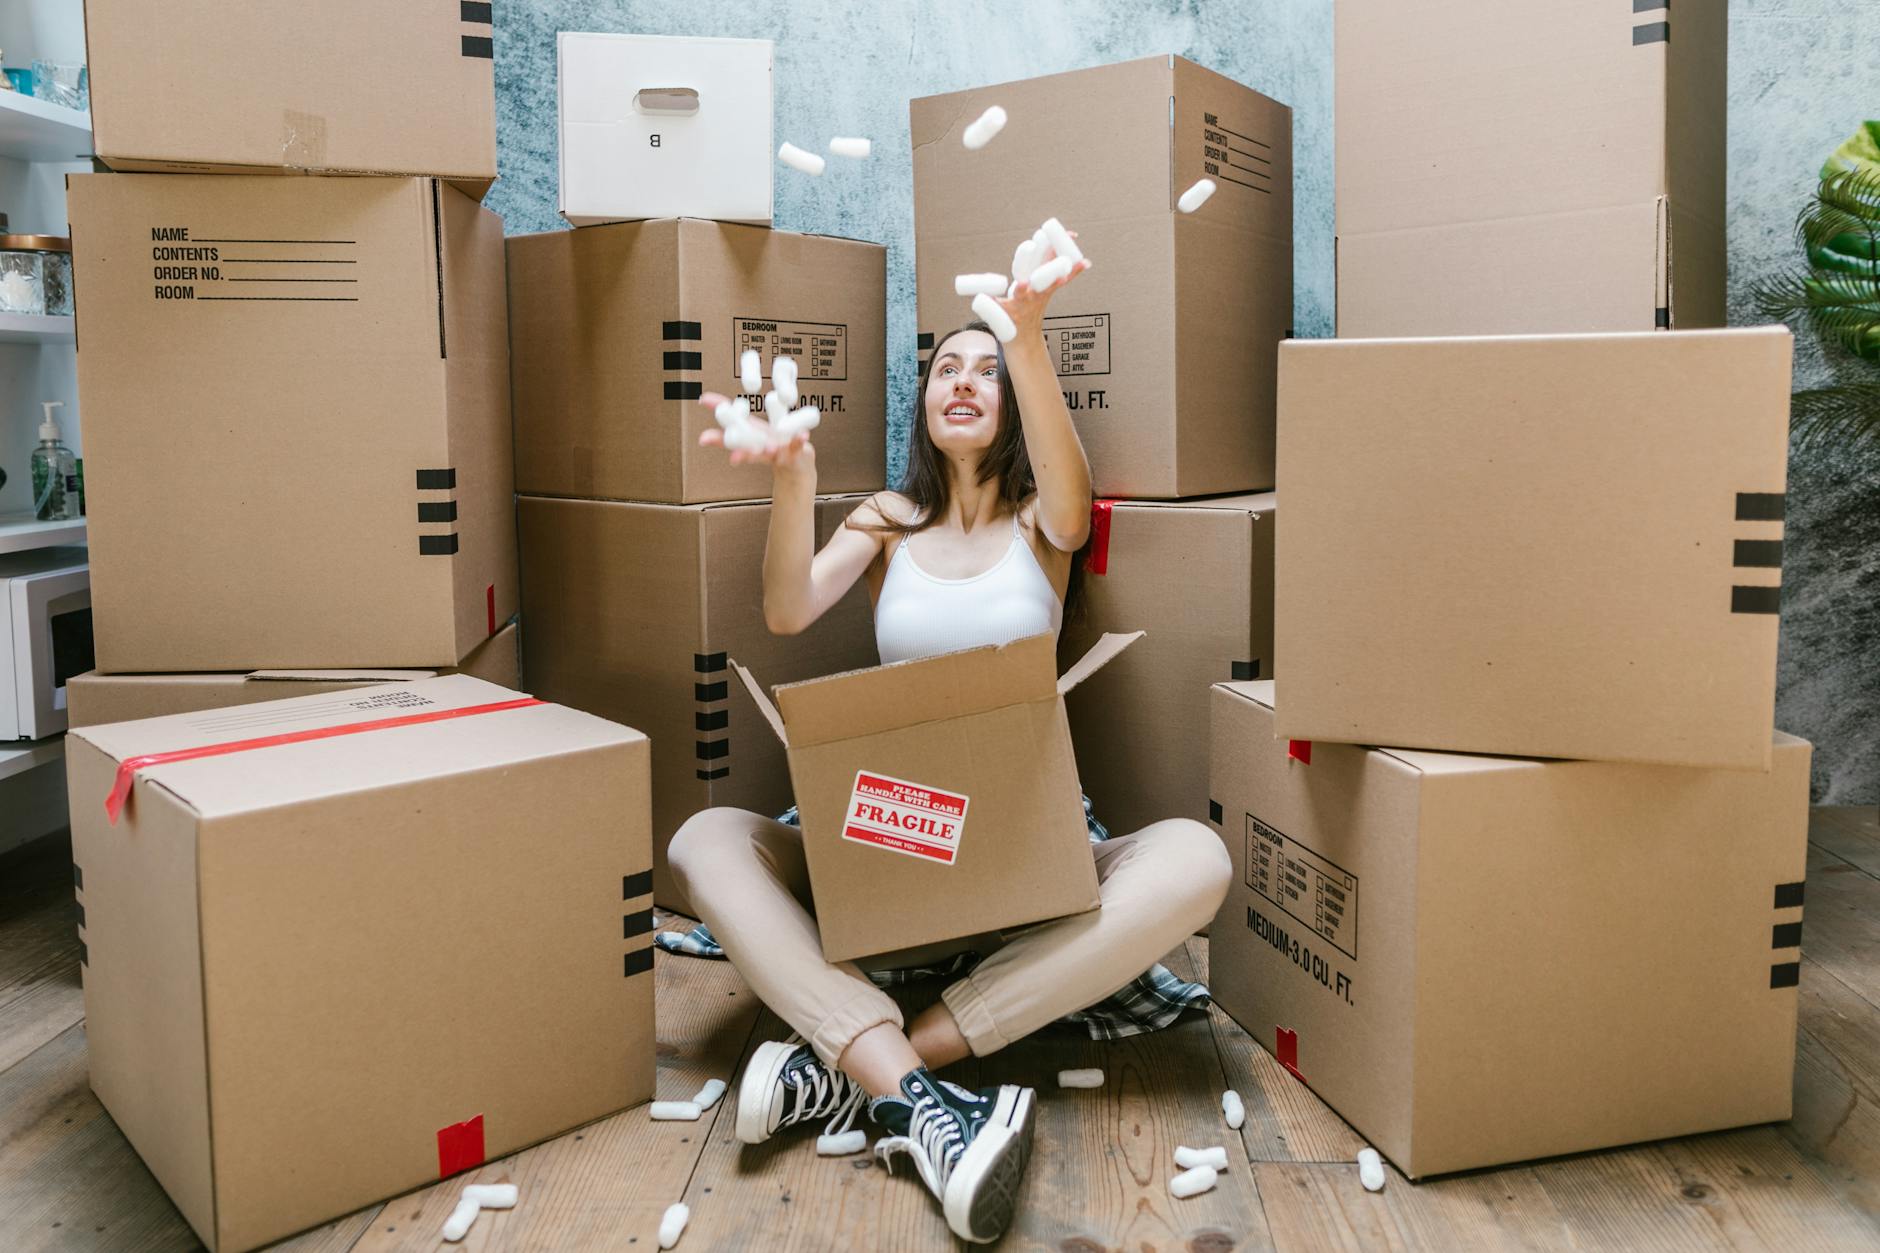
(656, 126)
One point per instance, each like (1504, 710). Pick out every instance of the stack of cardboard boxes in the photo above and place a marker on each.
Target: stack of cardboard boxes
(1165, 350)
(296, 395)
(1562, 910)
(643, 552)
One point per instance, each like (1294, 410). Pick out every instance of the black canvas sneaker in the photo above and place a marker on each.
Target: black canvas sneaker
(786, 1084)
(969, 1147)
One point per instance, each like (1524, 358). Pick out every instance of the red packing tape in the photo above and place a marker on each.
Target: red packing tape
(121, 787)
(1097, 560)
(460, 1147)
(1286, 1050)
(1300, 751)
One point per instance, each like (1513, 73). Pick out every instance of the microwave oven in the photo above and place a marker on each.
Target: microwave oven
(45, 637)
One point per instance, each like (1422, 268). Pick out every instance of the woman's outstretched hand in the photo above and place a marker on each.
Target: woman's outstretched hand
(795, 454)
(1026, 307)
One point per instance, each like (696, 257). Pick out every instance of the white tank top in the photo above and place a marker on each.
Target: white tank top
(921, 615)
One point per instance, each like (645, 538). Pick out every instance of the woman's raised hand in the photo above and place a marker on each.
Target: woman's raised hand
(794, 454)
(1026, 307)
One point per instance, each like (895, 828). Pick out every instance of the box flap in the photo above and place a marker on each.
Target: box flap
(763, 702)
(930, 689)
(1099, 656)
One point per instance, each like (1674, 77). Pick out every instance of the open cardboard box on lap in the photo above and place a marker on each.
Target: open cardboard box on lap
(939, 797)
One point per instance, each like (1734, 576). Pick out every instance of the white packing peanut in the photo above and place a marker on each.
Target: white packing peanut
(1050, 274)
(1370, 1170)
(1092, 1078)
(795, 422)
(1193, 1182)
(683, 1111)
(783, 377)
(672, 1223)
(751, 370)
(1196, 196)
(797, 159)
(774, 408)
(1232, 1109)
(491, 1195)
(1215, 1157)
(1043, 245)
(850, 146)
(707, 1096)
(843, 1145)
(984, 127)
(460, 1219)
(994, 316)
(744, 437)
(1061, 241)
(1026, 258)
(732, 413)
(1012, 289)
(973, 284)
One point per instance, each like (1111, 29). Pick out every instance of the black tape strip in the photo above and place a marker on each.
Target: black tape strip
(1786, 935)
(632, 885)
(1651, 33)
(78, 877)
(437, 545)
(473, 11)
(437, 511)
(84, 954)
(684, 360)
(1786, 975)
(1765, 553)
(710, 691)
(1755, 599)
(1760, 506)
(637, 923)
(709, 775)
(1214, 812)
(1788, 895)
(81, 915)
(682, 390)
(479, 46)
(682, 330)
(1245, 670)
(710, 663)
(437, 480)
(1661, 318)
(923, 341)
(716, 720)
(711, 750)
(1646, 6)
(639, 961)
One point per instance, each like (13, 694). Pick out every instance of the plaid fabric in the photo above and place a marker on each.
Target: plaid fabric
(1152, 1000)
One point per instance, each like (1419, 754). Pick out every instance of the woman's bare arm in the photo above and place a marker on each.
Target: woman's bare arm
(1057, 455)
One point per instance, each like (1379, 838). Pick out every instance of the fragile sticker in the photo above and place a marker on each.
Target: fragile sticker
(905, 817)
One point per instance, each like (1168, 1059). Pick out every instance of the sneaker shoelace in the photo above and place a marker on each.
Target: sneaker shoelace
(936, 1133)
(816, 1089)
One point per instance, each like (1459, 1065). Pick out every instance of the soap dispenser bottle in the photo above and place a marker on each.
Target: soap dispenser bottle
(55, 472)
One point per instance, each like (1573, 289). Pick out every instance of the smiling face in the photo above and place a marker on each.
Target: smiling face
(964, 393)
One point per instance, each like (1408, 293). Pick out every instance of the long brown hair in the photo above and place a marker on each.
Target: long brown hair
(927, 482)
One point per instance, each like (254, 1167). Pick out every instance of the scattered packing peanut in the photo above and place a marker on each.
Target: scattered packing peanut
(1196, 196)
(1370, 1170)
(797, 159)
(783, 377)
(672, 1223)
(1050, 274)
(774, 408)
(751, 370)
(707, 1096)
(988, 124)
(1092, 1078)
(681, 1111)
(990, 312)
(1232, 1109)
(732, 413)
(1193, 1182)
(843, 1145)
(798, 421)
(1187, 1158)
(458, 1224)
(491, 1195)
(973, 284)
(743, 437)
(847, 146)
(1061, 241)
(1025, 258)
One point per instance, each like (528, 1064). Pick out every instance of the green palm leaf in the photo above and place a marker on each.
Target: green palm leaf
(1849, 414)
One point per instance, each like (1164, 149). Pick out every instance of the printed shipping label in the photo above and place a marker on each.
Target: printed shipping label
(1078, 343)
(905, 817)
(1312, 889)
(821, 349)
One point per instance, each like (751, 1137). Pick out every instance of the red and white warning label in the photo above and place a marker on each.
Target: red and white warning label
(905, 817)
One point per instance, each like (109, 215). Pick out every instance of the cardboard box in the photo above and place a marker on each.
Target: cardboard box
(247, 1026)
(93, 698)
(939, 797)
(663, 126)
(344, 87)
(1545, 546)
(617, 330)
(299, 453)
(1484, 960)
(1198, 576)
(1165, 349)
(1551, 166)
(633, 610)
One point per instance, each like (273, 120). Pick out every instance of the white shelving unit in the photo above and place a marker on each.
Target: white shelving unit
(21, 531)
(19, 757)
(33, 130)
(35, 328)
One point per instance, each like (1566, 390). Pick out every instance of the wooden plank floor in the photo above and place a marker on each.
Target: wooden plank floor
(1098, 1181)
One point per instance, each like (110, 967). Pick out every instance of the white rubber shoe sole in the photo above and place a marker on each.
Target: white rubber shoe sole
(982, 1192)
(760, 1095)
